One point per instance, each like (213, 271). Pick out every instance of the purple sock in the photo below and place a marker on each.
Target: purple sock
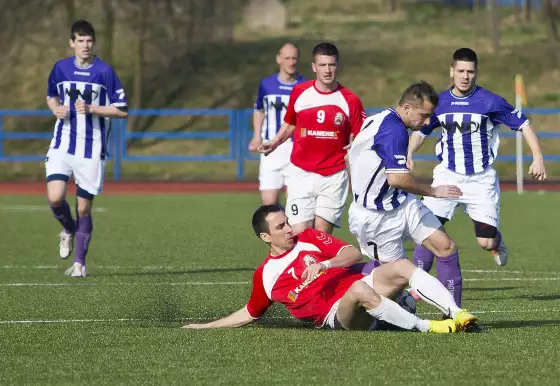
(423, 258)
(364, 268)
(64, 216)
(498, 240)
(83, 236)
(449, 274)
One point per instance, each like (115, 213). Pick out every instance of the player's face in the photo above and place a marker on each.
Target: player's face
(416, 116)
(280, 236)
(288, 59)
(83, 46)
(464, 76)
(325, 67)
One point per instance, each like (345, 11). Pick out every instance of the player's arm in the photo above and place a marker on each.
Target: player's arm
(53, 99)
(417, 139)
(258, 119)
(115, 92)
(537, 169)
(109, 111)
(343, 254)
(503, 112)
(392, 149)
(237, 319)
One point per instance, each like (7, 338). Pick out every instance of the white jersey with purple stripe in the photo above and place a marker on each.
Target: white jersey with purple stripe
(380, 148)
(84, 135)
(469, 139)
(273, 97)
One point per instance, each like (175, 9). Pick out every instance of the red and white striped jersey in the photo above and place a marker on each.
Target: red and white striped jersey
(324, 122)
(278, 279)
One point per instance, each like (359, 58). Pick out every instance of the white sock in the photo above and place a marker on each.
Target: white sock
(433, 292)
(391, 312)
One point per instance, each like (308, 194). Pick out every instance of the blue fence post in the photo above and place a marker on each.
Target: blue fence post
(117, 144)
(1, 135)
(239, 126)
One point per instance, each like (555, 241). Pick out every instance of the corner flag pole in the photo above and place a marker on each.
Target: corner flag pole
(520, 100)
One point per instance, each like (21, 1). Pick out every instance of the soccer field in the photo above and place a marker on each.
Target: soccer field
(157, 262)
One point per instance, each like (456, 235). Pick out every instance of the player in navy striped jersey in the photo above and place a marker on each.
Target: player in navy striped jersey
(83, 92)
(469, 116)
(383, 214)
(268, 115)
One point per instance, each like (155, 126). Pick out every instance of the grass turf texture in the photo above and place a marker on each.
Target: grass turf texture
(158, 262)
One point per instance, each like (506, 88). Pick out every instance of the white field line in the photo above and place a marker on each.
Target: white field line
(170, 268)
(37, 208)
(61, 321)
(212, 283)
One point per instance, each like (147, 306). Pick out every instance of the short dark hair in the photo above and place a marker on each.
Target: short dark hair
(464, 55)
(417, 93)
(82, 28)
(260, 225)
(327, 49)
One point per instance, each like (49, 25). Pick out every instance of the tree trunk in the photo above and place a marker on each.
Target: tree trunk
(527, 10)
(138, 77)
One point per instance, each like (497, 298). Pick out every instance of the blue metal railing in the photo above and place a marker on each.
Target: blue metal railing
(238, 134)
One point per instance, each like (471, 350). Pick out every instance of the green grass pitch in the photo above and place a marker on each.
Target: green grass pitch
(157, 262)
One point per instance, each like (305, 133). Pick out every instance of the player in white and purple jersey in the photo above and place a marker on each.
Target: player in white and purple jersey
(268, 116)
(470, 116)
(83, 92)
(383, 215)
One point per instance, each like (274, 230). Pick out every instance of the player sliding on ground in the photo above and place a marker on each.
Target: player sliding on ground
(309, 274)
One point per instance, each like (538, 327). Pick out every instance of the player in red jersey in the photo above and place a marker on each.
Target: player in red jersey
(323, 117)
(309, 274)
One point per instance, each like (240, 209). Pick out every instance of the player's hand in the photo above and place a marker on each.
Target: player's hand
(410, 163)
(197, 326)
(82, 107)
(61, 112)
(255, 143)
(447, 191)
(537, 170)
(267, 147)
(312, 270)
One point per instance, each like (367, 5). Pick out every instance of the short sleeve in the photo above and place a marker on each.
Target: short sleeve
(258, 302)
(290, 117)
(52, 90)
(357, 116)
(330, 246)
(434, 124)
(391, 145)
(504, 113)
(259, 102)
(115, 90)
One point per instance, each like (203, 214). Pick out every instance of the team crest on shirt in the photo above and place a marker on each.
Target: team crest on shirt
(338, 119)
(308, 260)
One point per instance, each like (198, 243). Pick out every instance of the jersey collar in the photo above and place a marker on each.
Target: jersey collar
(463, 97)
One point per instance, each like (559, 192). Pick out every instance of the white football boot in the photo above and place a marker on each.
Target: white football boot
(76, 270)
(500, 254)
(66, 244)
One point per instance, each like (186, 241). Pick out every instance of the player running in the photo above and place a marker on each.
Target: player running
(383, 214)
(270, 108)
(323, 116)
(469, 116)
(309, 275)
(83, 93)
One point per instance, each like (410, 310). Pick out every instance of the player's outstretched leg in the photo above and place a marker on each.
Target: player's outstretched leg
(83, 236)
(56, 195)
(360, 294)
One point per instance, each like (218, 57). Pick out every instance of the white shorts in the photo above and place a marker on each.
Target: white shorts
(311, 194)
(480, 199)
(274, 168)
(331, 323)
(88, 172)
(381, 234)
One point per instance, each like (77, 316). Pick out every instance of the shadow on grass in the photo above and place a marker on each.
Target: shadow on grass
(521, 323)
(180, 272)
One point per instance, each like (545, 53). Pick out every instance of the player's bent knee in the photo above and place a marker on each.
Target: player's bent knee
(365, 295)
(485, 243)
(446, 247)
